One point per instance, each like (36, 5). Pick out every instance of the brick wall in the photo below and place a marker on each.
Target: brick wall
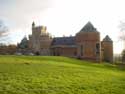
(64, 51)
(107, 51)
(86, 42)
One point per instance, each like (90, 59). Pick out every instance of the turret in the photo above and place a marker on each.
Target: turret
(33, 24)
(107, 46)
(43, 30)
(88, 43)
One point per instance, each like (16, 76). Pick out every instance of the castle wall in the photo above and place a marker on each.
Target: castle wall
(85, 45)
(40, 41)
(65, 51)
(107, 51)
(89, 46)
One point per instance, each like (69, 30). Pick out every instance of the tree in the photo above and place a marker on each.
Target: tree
(122, 31)
(122, 37)
(8, 49)
(3, 32)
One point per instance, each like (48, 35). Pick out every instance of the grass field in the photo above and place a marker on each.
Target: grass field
(58, 75)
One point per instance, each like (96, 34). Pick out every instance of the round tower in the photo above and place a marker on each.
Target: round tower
(88, 43)
(107, 45)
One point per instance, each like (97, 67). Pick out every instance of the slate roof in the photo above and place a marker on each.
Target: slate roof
(24, 39)
(24, 43)
(107, 38)
(88, 28)
(68, 41)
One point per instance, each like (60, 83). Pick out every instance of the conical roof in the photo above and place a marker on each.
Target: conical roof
(107, 38)
(24, 39)
(24, 43)
(88, 28)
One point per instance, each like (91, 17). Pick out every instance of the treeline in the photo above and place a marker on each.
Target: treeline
(120, 58)
(8, 49)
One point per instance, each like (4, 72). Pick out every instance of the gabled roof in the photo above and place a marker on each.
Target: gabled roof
(88, 28)
(63, 41)
(107, 38)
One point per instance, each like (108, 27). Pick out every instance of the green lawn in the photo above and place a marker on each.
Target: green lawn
(58, 75)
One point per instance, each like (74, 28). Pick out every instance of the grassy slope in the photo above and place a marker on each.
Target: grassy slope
(58, 75)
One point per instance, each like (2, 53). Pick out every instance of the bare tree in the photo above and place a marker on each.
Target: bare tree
(3, 32)
(122, 38)
(122, 31)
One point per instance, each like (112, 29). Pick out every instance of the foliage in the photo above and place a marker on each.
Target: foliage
(58, 75)
(7, 49)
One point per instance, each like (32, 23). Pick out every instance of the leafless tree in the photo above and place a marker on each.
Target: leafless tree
(3, 32)
(122, 31)
(122, 38)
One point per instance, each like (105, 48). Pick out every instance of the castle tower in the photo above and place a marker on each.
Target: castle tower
(88, 43)
(107, 45)
(40, 40)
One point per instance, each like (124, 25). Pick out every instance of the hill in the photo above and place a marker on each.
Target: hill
(58, 75)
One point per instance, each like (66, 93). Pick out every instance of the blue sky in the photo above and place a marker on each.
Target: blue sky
(63, 17)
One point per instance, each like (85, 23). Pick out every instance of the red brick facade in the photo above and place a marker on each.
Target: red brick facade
(85, 44)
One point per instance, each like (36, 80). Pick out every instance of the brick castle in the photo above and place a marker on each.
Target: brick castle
(85, 44)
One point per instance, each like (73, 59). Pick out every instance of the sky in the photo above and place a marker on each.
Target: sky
(63, 17)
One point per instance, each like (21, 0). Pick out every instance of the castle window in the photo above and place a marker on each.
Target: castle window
(75, 53)
(81, 48)
(97, 48)
(54, 53)
(37, 53)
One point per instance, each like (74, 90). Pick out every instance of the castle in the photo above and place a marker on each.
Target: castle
(85, 44)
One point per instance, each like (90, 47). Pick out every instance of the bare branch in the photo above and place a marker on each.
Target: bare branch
(4, 32)
(3, 28)
(122, 31)
(122, 26)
